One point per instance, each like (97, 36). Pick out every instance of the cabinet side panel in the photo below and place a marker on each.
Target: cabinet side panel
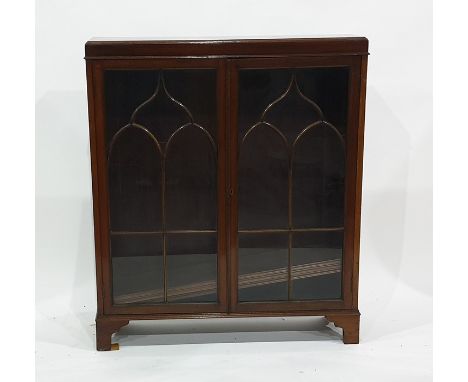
(95, 187)
(102, 181)
(350, 188)
(359, 170)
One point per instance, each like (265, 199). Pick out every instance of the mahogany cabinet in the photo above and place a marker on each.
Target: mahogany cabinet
(226, 178)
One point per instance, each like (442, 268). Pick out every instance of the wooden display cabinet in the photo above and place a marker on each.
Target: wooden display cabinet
(226, 178)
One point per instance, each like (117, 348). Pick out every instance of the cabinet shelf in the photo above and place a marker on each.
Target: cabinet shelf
(194, 231)
(188, 231)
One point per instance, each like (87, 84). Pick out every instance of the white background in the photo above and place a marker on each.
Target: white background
(396, 245)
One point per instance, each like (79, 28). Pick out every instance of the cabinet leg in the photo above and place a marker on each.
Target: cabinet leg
(350, 325)
(105, 327)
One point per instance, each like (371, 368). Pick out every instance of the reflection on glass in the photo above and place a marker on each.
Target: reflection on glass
(192, 268)
(316, 264)
(137, 269)
(263, 262)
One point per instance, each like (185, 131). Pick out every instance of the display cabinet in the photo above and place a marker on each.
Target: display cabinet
(226, 178)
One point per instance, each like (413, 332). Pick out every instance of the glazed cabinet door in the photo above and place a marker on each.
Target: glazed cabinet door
(161, 158)
(293, 130)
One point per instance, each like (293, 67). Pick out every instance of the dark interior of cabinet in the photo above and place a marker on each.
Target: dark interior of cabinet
(161, 129)
(161, 139)
(291, 167)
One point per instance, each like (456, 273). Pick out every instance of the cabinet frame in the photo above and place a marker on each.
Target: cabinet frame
(227, 57)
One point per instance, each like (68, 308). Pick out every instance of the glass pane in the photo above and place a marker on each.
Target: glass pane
(326, 87)
(292, 140)
(134, 183)
(191, 192)
(192, 267)
(125, 90)
(318, 179)
(161, 140)
(263, 267)
(263, 180)
(316, 260)
(137, 269)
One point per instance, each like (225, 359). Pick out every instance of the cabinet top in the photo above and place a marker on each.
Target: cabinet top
(313, 46)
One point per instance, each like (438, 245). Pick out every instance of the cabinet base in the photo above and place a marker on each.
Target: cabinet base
(107, 325)
(350, 325)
